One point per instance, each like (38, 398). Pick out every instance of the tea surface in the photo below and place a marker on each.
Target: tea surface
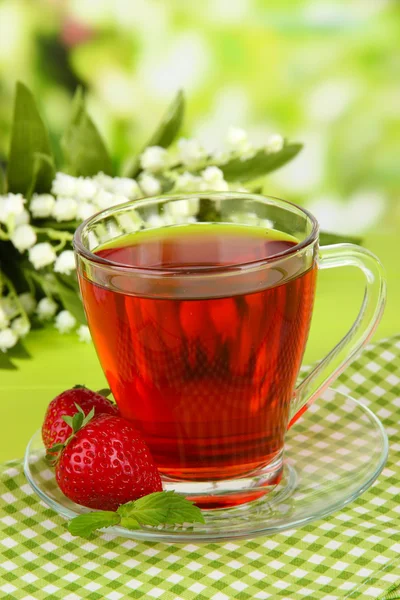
(207, 381)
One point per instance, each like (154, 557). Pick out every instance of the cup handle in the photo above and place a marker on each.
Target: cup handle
(344, 255)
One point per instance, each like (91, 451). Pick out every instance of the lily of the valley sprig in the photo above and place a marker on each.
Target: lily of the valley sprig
(41, 204)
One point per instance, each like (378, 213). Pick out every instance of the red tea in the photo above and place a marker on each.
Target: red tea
(207, 380)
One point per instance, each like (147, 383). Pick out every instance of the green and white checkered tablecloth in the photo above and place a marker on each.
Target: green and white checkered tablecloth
(354, 553)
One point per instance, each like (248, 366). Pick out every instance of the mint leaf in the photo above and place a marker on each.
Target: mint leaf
(261, 163)
(162, 508)
(28, 137)
(84, 525)
(83, 147)
(159, 508)
(129, 523)
(165, 133)
(326, 238)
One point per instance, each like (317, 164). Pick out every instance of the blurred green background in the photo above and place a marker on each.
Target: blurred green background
(325, 72)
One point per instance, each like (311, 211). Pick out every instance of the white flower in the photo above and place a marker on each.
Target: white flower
(65, 209)
(219, 185)
(118, 199)
(238, 141)
(129, 221)
(65, 262)
(11, 205)
(46, 308)
(23, 218)
(93, 241)
(191, 152)
(188, 182)
(28, 302)
(86, 188)
(9, 306)
(275, 143)
(65, 321)
(64, 185)
(150, 185)
(123, 186)
(3, 319)
(221, 156)
(20, 327)
(154, 159)
(42, 255)
(42, 205)
(212, 174)
(236, 136)
(23, 237)
(104, 199)
(156, 220)
(187, 207)
(104, 181)
(84, 334)
(85, 210)
(8, 339)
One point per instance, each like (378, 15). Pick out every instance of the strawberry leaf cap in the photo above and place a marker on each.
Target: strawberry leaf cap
(76, 422)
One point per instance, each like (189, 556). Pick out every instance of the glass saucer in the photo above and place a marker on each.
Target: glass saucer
(332, 455)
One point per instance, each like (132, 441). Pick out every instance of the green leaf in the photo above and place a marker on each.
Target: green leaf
(260, 164)
(326, 238)
(104, 392)
(84, 525)
(165, 133)
(28, 137)
(70, 299)
(19, 351)
(43, 166)
(56, 448)
(77, 421)
(6, 363)
(162, 508)
(129, 523)
(170, 124)
(83, 147)
(68, 420)
(62, 226)
(88, 417)
(3, 183)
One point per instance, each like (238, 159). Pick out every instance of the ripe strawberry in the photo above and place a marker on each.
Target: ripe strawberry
(105, 464)
(55, 430)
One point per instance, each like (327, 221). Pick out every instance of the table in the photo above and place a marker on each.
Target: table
(354, 553)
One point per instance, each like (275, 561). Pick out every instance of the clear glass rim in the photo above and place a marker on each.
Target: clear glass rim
(81, 249)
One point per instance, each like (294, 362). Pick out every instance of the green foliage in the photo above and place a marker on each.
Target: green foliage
(30, 158)
(159, 508)
(326, 239)
(31, 168)
(262, 163)
(84, 150)
(165, 133)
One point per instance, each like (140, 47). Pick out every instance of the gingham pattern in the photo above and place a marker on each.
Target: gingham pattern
(352, 554)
